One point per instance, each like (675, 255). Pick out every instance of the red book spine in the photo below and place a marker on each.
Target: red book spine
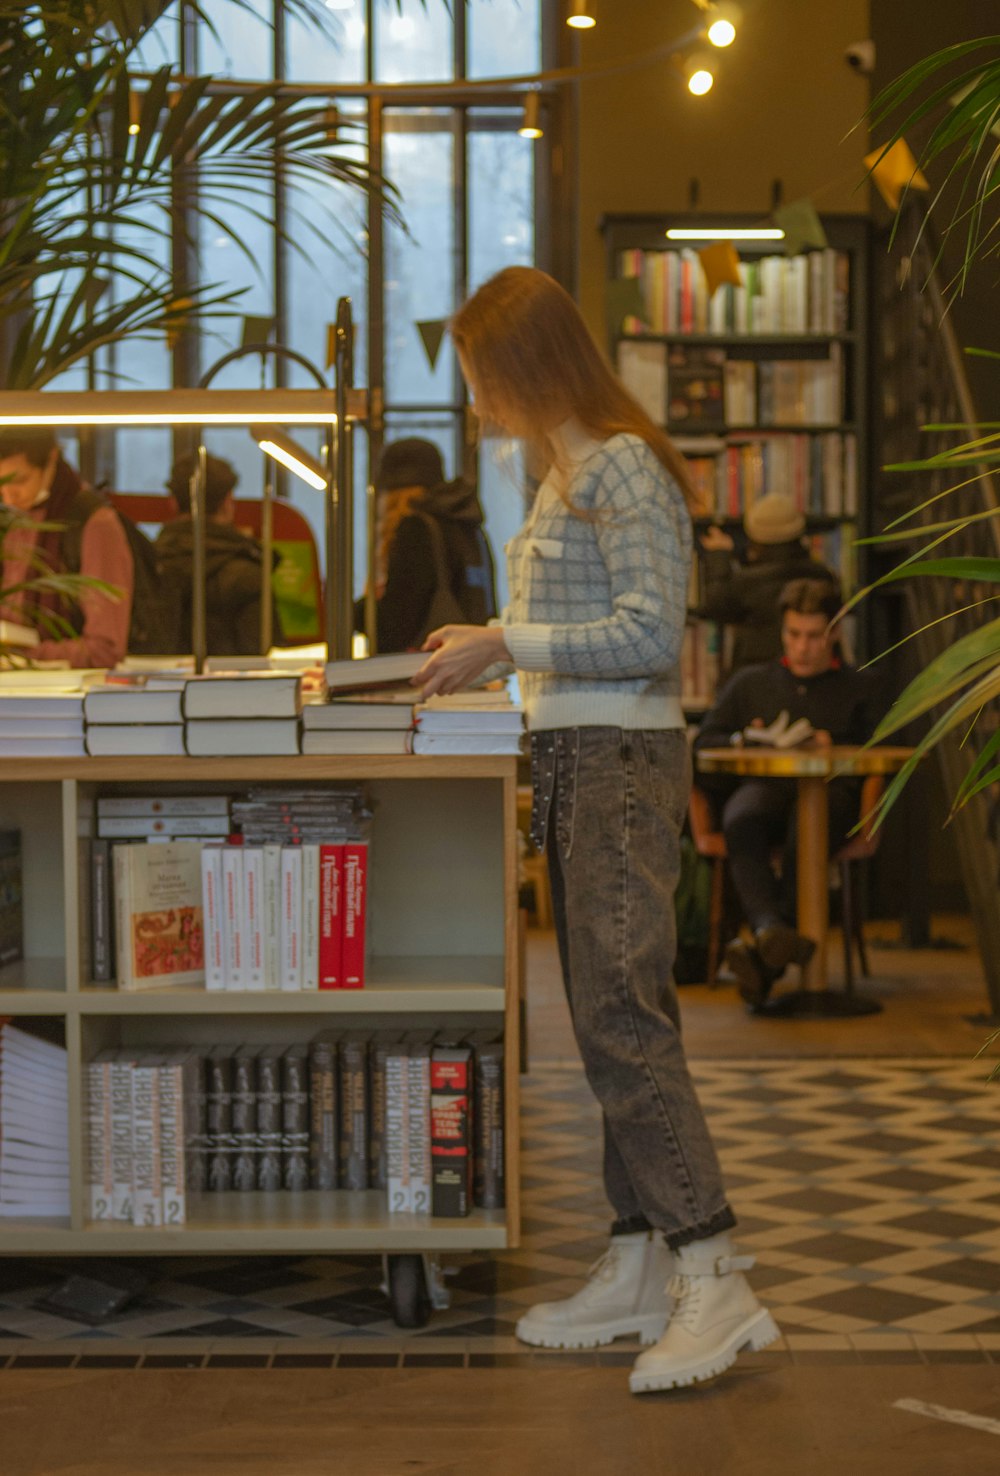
(355, 914)
(331, 917)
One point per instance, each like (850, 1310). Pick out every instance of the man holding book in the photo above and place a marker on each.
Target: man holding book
(807, 695)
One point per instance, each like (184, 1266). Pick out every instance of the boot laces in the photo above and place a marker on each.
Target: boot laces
(686, 1294)
(604, 1268)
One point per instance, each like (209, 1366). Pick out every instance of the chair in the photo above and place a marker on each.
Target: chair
(711, 843)
(298, 588)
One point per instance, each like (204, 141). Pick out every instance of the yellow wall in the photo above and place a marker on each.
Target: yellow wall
(784, 99)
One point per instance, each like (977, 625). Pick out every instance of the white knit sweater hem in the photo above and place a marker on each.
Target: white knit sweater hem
(588, 709)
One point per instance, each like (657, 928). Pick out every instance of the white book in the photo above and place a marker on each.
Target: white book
(236, 737)
(15, 1042)
(456, 743)
(147, 1203)
(14, 634)
(356, 740)
(470, 720)
(247, 695)
(397, 1117)
(359, 713)
(50, 676)
(160, 923)
(291, 917)
(114, 807)
(121, 1137)
(232, 916)
(115, 704)
(40, 703)
(122, 906)
(120, 740)
(141, 827)
(373, 671)
(16, 726)
(27, 746)
(419, 1091)
(310, 916)
(253, 915)
(171, 1104)
(97, 1140)
(212, 916)
(272, 916)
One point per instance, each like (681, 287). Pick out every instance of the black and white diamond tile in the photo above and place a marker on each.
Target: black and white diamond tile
(868, 1190)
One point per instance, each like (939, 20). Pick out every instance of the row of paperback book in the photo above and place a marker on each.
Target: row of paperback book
(411, 1115)
(692, 388)
(777, 294)
(34, 1124)
(819, 472)
(267, 891)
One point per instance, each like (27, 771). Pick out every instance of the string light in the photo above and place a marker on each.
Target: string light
(725, 17)
(134, 112)
(698, 71)
(580, 17)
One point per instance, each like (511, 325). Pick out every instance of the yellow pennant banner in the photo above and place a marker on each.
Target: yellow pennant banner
(895, 171)
(721, 264)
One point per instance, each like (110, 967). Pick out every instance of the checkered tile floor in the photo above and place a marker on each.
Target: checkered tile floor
(868, 1190)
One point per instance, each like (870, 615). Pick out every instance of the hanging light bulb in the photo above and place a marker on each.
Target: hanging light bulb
(724, 19)
(699, 75)
(531, 123)
(579, 16)
(134, 111)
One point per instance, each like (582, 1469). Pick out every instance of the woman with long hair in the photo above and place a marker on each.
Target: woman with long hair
(598, 587)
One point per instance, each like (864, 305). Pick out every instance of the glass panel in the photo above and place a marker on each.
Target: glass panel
(142, 459)
(420, 266)
(160, 45)
(414, 42)
(501, 197)
(504, 37)
(335, 53)
(501, 492)
(230, 266)
(240, 42)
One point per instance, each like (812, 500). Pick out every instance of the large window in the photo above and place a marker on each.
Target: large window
(467, 187)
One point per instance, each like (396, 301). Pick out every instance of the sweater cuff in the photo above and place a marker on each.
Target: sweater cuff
(530, 646)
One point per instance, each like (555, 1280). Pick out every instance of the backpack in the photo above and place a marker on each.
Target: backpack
(153, 626)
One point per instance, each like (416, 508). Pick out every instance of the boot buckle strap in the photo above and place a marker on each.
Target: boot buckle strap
(714, 1266)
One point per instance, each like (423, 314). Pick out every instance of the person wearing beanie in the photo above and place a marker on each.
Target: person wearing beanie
(757, 816)
(433, 561)
(746, 596)
(232, 564)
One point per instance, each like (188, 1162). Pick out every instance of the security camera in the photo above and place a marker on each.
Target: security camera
(860, 57)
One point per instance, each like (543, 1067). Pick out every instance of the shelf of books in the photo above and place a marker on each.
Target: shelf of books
(762, 383)
(258, 1003)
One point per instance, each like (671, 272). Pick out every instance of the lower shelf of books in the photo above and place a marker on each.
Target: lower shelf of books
(314, 1220)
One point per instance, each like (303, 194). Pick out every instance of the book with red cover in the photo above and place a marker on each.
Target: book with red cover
(451, 1131)
(331, 916)
(355, 913)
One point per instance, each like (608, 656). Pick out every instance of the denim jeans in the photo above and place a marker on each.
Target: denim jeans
(610, 803)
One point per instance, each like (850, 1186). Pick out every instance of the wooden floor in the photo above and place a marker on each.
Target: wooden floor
(768, 1417)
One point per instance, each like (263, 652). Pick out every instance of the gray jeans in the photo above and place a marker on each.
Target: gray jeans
(610, 803)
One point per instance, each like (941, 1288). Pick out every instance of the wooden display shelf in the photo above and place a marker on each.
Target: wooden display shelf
(299, 769)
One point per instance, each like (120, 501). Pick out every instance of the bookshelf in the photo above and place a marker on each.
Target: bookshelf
(764, 386)
(444, 928)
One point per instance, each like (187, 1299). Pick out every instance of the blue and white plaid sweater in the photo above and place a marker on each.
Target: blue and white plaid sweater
(597, 603)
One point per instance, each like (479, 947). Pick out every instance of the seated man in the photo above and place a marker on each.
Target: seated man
(809, 682)
(40, 487)
(232, 564)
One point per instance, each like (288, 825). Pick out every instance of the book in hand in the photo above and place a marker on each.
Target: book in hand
(781, 733)
(374, 671)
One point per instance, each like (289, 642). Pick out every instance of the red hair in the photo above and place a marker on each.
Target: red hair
(533, 365)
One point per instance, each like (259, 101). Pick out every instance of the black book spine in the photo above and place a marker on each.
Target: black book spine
(245, 1121)
(489, 1184)
(295, 1118)
(451, 1132)
(195, 1125)
(269, 1120)
(101, 950)
(353, 1114)
(377, 1053)
(220, 1122)
(323, 1115)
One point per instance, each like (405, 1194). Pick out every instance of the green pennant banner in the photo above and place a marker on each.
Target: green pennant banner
(432, 336)
(802, 226)
(256, 330)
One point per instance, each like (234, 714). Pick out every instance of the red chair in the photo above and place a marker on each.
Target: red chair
(711, 844)
(300, 587)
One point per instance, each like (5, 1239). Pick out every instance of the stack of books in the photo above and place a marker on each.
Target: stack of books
(360, 722)
(41, 714)
(141, 715)
(243, 713)
(34, 1125)
(473, 721)
(416, 1117)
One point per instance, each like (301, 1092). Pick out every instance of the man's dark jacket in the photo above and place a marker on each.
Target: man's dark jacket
(746, 596)
(232, 585)
(841, 701)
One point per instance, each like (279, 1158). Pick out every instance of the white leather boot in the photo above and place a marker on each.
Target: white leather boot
(715, 1317)
(625, 1295)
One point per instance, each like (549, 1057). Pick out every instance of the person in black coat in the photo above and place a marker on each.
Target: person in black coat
(232, 564)
(745, 596)
(431, 541)
(757, 815)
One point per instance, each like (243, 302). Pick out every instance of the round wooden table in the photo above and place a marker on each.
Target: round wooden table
(811, 768)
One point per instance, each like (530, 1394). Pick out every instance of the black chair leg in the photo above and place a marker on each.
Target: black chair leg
(859, 938)
(847, 925)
